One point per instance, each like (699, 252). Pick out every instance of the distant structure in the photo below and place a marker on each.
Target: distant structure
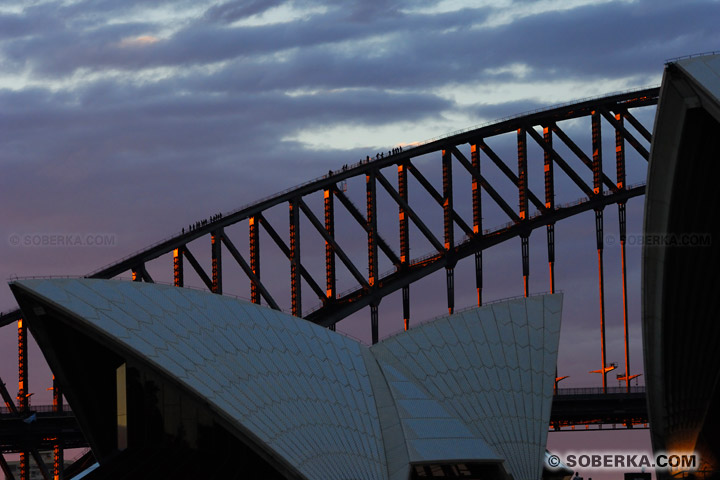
(681, 332)
(179, 383)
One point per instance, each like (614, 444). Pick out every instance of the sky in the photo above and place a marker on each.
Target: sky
(130, 120)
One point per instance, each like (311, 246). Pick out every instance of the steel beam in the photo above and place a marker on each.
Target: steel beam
(58, 453)
(440, 199)
(362, 221)
(413, 216)
(289, 254)
(329, 240)
(581, 155)
(509, 173)
(330, 281)
(597, 188)
(619, 127)
(254, 279)
(448, 227)
(488, 188)
(525, 246)
(404, 226)
(178, 279)
(216, 256)
(477, 216)
(549, 203)
(295, 292)
(561, 163)
(620, 172)
(372, 246)
(198, 269)
(254, 240)
(638, 126)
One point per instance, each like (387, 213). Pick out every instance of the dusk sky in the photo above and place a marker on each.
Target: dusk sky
(133, 119)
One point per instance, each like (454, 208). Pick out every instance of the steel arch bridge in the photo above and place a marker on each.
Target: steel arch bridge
(387, 178)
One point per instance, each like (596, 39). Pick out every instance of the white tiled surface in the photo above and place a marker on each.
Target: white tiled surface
(300, 388)
(490, 373)
(477, 384)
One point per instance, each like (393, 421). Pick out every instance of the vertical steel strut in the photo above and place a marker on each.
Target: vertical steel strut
(295, 294)
(523, 204)
(330, 281)
(404, 238)
(448, 227)
(216, 254)
(178, 279)
(620, 171)
(58, 457)
(371, 197)
(477, 218)
(597, 189)
(23, 396)
(550, 204)
(254, 232)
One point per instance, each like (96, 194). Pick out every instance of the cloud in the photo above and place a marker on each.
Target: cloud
(139, 41)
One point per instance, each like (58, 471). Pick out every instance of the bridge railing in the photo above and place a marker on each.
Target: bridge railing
(598, 390)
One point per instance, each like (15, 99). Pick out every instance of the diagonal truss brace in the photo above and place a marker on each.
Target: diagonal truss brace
(360, 218)
(413, 216)
(328, 238)
(198, 269)
(505, 169)
(623, 131)
(248, 271)
(561, 162)
(487, 187)
(286, 250)
(581, 155)
(438, 197)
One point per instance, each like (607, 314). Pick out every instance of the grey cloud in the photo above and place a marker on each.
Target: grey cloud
(229, 12)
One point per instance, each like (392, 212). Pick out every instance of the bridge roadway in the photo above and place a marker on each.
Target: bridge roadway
(587, 408)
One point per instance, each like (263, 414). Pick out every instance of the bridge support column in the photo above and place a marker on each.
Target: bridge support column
(216, 251)
(450, 284)
(621, 215)
(406, 306)
(477, 218)
(374, 322)
(58, 456)
(525, 242)
(254, 258)
(295, 294)
(598, 190)
(620, 173)
(551, 255)
(178, 277)
(22, 396)
(404, 239)
(550, 203)
(601, 284)
(329, 251)
(448, 227)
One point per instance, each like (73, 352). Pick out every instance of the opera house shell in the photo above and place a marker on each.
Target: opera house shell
(169, 382)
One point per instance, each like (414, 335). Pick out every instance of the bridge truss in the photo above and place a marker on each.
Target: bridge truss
(322, 212)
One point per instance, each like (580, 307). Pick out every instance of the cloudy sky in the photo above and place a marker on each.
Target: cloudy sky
(135, 118)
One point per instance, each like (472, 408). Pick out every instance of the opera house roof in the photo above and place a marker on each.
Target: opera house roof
(471, 390)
